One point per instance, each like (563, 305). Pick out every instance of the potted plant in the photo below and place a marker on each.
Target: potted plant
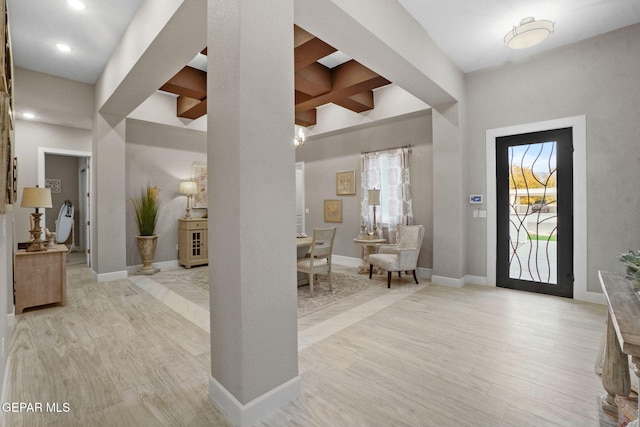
(146, 211)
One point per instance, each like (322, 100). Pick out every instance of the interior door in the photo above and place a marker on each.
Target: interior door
(534, 178)
(87, 209)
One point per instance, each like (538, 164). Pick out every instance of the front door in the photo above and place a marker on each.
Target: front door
(535, 212)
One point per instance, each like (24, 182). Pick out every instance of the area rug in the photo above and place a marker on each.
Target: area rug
(344, 286)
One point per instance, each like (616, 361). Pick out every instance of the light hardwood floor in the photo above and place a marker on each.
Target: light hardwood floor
(431, 356)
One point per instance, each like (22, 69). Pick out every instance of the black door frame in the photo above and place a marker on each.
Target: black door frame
(565, 276)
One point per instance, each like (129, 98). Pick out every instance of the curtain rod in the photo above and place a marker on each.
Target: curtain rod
(386, 149)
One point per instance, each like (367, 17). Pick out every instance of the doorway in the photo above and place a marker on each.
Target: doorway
(534, 189)
(69, 172)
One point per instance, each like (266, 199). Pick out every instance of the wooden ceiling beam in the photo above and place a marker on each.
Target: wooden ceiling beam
(306, 118)
(357, 103)
(308, 48)
(190, 108)
(349, 79)
(313, 80)
(189, 82)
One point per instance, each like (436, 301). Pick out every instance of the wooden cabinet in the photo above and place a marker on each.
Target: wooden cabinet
(40, 277)
(192, 242)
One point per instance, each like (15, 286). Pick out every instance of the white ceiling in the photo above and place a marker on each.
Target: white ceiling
(469, 31)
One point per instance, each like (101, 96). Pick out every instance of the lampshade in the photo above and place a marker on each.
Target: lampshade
(529, 33)
(36, 197)
(188, 187)
(374, 197)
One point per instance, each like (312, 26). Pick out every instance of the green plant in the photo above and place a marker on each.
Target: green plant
(146, 208)
(632, 260)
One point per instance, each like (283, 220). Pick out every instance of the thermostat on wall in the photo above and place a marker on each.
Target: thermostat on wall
(475, 199)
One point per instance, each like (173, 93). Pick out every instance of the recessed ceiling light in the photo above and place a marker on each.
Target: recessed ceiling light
(76, 4)
(28, 115)
(63, 47)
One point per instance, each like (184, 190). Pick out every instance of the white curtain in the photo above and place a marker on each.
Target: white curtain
(369, 179)
(400, 207)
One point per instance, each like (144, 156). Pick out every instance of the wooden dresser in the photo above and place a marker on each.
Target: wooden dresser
(40, 277)
(192, 242)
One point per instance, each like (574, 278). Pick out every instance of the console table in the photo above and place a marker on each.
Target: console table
(192, 241)
(623, 338)
(40, 277)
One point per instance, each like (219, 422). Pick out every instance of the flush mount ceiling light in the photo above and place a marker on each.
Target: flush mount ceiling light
(529, 33)
(63, 47)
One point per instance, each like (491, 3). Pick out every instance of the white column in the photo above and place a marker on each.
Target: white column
(108, 227)
(251, 164)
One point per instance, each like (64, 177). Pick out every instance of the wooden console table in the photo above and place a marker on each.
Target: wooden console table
(40, 277)
(623, 338)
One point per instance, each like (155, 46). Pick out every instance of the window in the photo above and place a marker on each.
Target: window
(389, 172)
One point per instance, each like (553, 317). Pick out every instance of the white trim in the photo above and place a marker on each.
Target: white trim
(346, 261)
(579, 125)
(41, 172)
(474, 280)
(107, 277)
(259, 408)
(163, 265)
(424, 272)
(447, 281)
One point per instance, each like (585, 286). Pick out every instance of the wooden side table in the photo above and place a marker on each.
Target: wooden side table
(368, 247)
(623, 339)
(40, 277)
(192, 241)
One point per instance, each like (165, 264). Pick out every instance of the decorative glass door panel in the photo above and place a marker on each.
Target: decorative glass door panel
(535, 226)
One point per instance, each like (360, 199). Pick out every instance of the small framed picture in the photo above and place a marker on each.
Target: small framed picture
(333, 211)
(346, 183)
(54, 184)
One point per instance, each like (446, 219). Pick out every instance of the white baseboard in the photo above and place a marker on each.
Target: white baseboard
(594, 297)
(259, 408)
(164, 265)
(447, 281)
(346, 261)
(424, 272)
(474, 280)
(107, 277)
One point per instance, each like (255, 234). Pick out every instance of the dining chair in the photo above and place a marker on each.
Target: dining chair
(319, 259)
(401, 256)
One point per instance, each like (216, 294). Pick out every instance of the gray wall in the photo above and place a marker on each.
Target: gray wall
(162, 156)
(599, 78)
(324, 156)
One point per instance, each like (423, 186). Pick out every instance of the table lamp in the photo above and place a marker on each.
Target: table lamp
(373, 200)
(36, 197)
(188, 188)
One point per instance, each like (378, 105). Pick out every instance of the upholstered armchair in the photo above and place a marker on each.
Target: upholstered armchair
(402, 256)
(319, 256)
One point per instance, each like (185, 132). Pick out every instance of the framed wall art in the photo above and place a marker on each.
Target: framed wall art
(199, 174)
(333, 211)
(54, 184)
(346, 183)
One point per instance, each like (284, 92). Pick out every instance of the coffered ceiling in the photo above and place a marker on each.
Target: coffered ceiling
(344, 82)
(469, 31)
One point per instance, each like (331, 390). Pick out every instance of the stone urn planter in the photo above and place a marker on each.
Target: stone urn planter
(146, 211)
(147, 248)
